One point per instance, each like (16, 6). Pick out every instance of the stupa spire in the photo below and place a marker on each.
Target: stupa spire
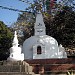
(15, 40)
(39, 25)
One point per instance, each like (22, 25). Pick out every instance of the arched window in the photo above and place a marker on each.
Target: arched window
(39, 50)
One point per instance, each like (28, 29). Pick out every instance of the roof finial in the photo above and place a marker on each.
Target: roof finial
(15, 40)
(15, 33)
(39, 24)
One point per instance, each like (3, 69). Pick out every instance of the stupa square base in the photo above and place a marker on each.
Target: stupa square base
(52, 66)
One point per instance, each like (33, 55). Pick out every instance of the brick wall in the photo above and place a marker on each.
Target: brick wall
(49, 66)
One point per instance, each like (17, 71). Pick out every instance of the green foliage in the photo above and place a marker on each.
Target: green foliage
(5, 41)
(48, 4)
(25, 23)
(62, 27)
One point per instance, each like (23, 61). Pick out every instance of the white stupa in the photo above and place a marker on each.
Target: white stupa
(41, 46)
(15, 51)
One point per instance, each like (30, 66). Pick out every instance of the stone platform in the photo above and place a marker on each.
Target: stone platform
(38, 67)
(53, 66)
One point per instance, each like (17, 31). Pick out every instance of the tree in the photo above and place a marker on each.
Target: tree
(5, 41)
(62, 27)
(24, 26)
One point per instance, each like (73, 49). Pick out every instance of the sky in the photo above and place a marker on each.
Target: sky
(8, 16)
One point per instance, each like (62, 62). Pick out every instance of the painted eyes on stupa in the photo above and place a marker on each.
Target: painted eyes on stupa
(39, 24)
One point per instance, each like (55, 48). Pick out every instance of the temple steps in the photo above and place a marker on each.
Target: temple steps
(15, 68)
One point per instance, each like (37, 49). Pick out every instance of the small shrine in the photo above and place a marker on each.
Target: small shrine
(15, 51)
(42, 46)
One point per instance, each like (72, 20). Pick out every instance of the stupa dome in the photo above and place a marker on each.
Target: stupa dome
(48, 44)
